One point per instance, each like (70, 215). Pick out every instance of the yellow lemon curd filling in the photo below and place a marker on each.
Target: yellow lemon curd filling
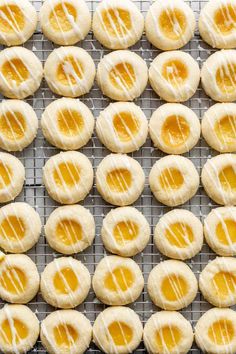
(62, 17)
(125, 231)
(119, 180)
(12, 19)
(13, 331)
(122, 76)
(68, 232)
(168, 337)
(70, 122)
(5, 175)
(126, 126)
(15, 72)
(226, 231)
(174, 287)
(12, 228)
(66, 174)
(65, 281)
(120, 332)
(179, 234)
(12, 125)
(172, 23)
(117, 22)
(221, 332)
(171, 179)
(226, 78)
(225, 129)
(13, 280)
(70, 71)
(175, 131)
(227, 178)
(224, 283)
(225, 18)
(120, 279)
(175, 72)
(65, 335)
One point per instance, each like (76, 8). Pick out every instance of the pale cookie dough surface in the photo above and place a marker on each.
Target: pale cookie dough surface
(179, 234)
(21, 325)
(217, 282)
(215, 331)
(117, 329)
(219, 230)
(70, 229)
(173, 180)
(219, 127)
(65, 282)
(217, 76)
(169, 25)
(66, 331)
(219, 179)
(125, 231)
(21, 72)
(168, 332)
(174, 128)
(122, 127)
(68, 177)
(67, 123)
(65, 22)
(69, 71)
(117, 280)
(174, 76)
(117, 24)
(19, 279)
(12, 173)
(122, 75)
(18, 125)
(120, 179)
(20, 227)
(172, 285)
(18, 21)
(217, 23)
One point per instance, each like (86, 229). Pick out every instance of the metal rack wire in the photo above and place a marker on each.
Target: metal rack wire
(35, 156)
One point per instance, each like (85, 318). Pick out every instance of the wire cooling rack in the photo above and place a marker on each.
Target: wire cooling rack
(35, 156)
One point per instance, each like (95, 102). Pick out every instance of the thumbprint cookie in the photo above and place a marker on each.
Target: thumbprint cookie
(69, 71)
(117, 280)
(218, 76)
(117, 24)
(174, 128)
(172, 285)
(125, 231)
(70, 229)
(65, 282)
(19, 329)
(219, 179)
(122, 127)
(215, 331)
(120, 179)
(19, 279)
(21, 72)
(20, 227)
(12, 176)
(169, 25)
(68, 177)
(65, 22)
(217, 23)
(179, 234)
(67, 123)
(174, 76)
(173, 180)
(117, 329)
(18, 21)
(122, 75)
